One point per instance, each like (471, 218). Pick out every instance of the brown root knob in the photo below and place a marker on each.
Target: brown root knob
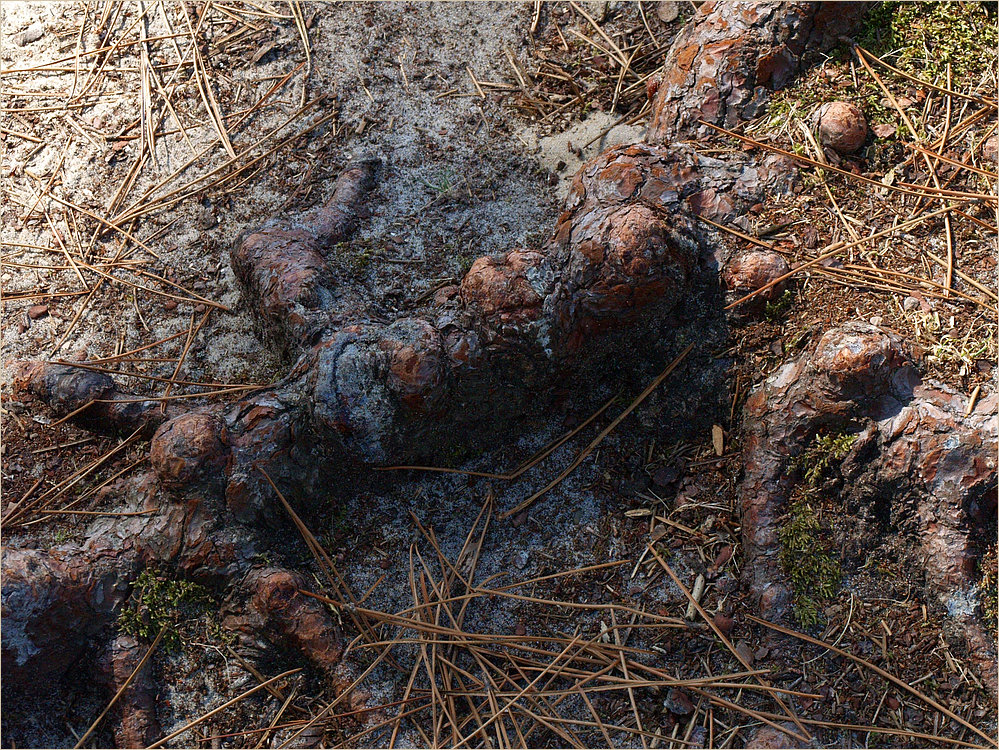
(189, 451)
(64, 388)
(498, 289)
(135, 710)
(842, 127)
(753, 270)
(862, 362)
(416, 363)
(288, 619)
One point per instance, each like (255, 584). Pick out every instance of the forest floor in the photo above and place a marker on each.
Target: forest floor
(482, 112)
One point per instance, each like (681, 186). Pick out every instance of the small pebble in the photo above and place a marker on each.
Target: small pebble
(724, 623)
(990, 152)
(38, 311)
(170, 304)
(521, 629)
(877, 320)
(199, 308)
(31, 34)
(753, 270)
(910, 303)
(678, 703)
(520, 519)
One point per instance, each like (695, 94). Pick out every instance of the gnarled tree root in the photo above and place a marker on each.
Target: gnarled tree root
(360, 391)
(918, 461)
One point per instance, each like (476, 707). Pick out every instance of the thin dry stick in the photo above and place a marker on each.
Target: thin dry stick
(48, 185)
(929, 282)
(129, 353)
(537, 458)
(953, 162)
(831, 250)
(336, 701)
(277, 717)
(878, 670)
(512, 701)
(180, 396)
(333, 577)
(205, 88)
(925, 84)
(948, 232)
(965, 277)
(885, 730)
(617, 50)
(599, 438)
(124, 686)
(75, 477)
(183, 355)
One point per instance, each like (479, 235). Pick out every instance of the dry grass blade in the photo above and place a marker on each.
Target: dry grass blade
(830, 250)
(618, 54)
(192, 334)
(534, 460)
(205, 86)
(15, 514)
(340, 586)
(728, 644)
(204, 717)
(861, 52)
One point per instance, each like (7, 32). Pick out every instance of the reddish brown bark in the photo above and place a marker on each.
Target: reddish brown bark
(916, 448)
(723, 66)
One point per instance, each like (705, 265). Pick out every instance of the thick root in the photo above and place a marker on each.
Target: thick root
(916, 446)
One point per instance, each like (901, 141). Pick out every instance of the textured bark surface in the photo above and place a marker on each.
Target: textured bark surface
(916, 449)
(724, 64)
(362, 391)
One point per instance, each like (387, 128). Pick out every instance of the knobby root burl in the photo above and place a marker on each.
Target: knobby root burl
(361, 391)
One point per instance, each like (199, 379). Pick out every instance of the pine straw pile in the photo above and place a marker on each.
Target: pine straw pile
(580, 674)
(149, 116)
(136, 96)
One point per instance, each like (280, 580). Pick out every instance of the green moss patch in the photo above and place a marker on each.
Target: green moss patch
(923, 38)
(159, 602)
(805, 554)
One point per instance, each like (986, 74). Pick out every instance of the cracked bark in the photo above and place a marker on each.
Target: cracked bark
(916, 449)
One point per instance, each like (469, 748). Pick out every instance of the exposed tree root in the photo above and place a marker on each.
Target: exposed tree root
(918, 462)
(621, 257)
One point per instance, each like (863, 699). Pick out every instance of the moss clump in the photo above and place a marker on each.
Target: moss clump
(819, 457)
(804, 555)
(159, 602)
(922, 38)
(813, 571)
(355, 257)
(776, 311)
